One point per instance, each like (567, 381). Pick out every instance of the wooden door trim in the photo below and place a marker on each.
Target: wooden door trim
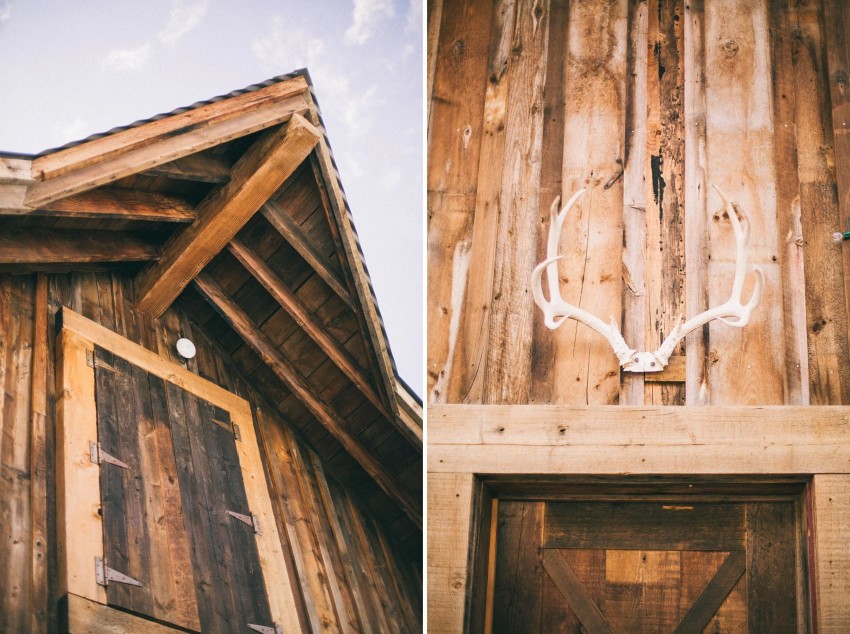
(80, 527)
(568, 583)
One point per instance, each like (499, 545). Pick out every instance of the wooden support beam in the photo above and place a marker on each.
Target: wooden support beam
(202, 168)
(299, 386)
(301, 242)
(831, 567)
(86, 166)
(50, 246)
(293, 305)
(256, 176)
(552, 439)
(113, 203)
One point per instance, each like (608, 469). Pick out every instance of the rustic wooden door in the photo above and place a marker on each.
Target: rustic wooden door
(649, 566)
(174, 504)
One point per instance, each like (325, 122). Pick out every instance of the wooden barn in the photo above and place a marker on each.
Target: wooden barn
(202, 425)
(573, 485)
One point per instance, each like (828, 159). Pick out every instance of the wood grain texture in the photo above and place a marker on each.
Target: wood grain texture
(85, 616)
(746, 365)
(49, 246)
(831, 566)
(450, 517)
(560, 440)
(772, 591)
(585, 371)
(584, 607)
(256, 176)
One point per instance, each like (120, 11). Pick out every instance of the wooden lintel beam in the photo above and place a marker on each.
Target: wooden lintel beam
(299, 386)
(256, 176)
(203, 168)
(293, 305)
(104, 160)
(301, 242)
(114, 203)
(51, 246)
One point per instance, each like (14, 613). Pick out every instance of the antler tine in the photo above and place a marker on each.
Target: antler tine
(733, 312)
(555, 310)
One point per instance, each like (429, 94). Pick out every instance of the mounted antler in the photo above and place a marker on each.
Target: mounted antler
(556, 311)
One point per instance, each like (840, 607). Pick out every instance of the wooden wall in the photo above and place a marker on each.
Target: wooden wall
(648, 104)
(350, 573)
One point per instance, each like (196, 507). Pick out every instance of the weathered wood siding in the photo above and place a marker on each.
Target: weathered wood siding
(349, 572)
(649, 104)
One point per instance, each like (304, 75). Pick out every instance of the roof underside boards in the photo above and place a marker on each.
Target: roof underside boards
(279, 279)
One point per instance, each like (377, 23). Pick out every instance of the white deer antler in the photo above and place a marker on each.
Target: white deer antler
(733, 312)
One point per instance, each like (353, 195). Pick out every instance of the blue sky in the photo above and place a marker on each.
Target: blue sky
(71, 68)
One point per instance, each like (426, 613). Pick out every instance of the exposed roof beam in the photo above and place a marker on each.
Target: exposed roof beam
(104, 160)
(256, 176)
(51, 246)
(301, 242)
(203, 168)
(114, 203)
(294, 381)
(409, 410)
(293, 305)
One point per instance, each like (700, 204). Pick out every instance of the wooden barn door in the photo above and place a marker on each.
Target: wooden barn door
(625, 567)
(174, 504)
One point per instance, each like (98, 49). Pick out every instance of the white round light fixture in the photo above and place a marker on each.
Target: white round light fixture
(185, 348)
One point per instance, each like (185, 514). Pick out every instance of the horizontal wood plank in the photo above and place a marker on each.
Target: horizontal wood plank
(122, 204)
(633, 440)
(51, 246)
(645, 526)
(89, 617)
(261, 170)
(202, 168)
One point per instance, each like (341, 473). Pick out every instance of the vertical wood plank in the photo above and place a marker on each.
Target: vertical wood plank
(449, 530)
(551, 186)
(634, 199)
(665, 187)
(790, 231)
(746, 365)
(508, 364)
(771, 567)
(826, 286)
(464, 382)
(696, 242)
(79, 521)
(586, 371)
(457, 107)
(39, 462)
(831, 567)
(518, 593)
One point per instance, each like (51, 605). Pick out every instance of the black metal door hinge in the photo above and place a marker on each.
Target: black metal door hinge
(265, 629)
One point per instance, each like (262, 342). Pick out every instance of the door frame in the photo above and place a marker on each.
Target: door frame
(79, 523)
(474, 448)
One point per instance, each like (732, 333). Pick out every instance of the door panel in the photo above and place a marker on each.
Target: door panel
(165, 518)
(645, 567)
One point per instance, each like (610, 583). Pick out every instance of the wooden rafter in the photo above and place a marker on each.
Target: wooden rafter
(301, 242)
(114, 203)
(86, 166)
(299, 386)
(293, 305)
(256, 176)
(51, 246)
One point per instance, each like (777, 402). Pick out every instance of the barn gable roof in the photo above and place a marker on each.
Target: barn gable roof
(233, 210)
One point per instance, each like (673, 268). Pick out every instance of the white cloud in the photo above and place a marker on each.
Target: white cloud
(128, 58)
(5, 10)
(184, 17)
(413, 21)
(75, 130)
(368, 16)
(391, 179)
